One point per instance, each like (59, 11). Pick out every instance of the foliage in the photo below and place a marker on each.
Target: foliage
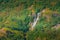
(16, 16)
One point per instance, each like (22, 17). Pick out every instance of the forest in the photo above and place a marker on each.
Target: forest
(29, 19)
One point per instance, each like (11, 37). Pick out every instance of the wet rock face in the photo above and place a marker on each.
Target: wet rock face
(55, 15)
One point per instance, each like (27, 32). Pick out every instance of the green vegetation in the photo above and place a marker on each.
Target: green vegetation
(16, 16)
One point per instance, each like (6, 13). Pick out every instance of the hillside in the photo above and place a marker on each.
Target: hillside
(18, 16)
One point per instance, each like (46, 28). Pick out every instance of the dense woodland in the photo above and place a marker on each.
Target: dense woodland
(16, 17)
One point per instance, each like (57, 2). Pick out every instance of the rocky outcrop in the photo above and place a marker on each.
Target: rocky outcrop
(56, 27)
